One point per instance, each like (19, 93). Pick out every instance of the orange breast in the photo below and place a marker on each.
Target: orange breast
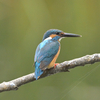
(54, 60)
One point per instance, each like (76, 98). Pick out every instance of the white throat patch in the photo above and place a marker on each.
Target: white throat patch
(61, 38)
(48, 38)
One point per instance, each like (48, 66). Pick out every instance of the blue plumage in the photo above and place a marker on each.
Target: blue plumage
(51, 31)
(38, 71)
(45, 53)
(48, 50)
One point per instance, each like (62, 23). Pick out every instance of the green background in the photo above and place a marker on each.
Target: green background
(22, 25)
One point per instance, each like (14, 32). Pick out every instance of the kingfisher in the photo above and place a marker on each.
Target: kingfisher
(48, 50)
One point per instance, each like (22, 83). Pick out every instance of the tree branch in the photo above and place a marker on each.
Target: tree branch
(62, 67)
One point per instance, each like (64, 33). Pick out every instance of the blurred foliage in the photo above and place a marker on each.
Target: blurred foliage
(22, 25)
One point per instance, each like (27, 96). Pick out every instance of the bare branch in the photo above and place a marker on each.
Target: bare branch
(62, 67)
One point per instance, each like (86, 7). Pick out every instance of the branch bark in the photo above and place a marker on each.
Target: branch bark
(62, 67)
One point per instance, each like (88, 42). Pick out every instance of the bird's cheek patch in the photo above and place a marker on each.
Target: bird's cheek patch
(53, 35)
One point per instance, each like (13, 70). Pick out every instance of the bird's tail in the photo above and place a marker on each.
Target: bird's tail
(38, 71)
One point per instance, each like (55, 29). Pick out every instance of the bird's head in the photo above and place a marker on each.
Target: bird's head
(58, 34)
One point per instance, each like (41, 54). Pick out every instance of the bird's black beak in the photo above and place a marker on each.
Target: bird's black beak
(70, 35)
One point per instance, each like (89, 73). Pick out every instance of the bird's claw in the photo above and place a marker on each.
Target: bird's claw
(55, 65)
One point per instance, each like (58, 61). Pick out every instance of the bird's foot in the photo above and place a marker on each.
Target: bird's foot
(55, 65)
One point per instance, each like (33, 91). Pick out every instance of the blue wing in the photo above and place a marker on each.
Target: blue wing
(45, 53)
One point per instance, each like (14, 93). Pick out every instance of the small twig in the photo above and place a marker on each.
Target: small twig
(62, 67)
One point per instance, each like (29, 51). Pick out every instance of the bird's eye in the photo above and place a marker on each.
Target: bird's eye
(57, 33)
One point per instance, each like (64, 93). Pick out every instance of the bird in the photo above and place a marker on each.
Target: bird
(48, 50)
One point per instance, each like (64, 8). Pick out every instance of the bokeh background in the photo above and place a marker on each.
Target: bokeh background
(22, 25)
